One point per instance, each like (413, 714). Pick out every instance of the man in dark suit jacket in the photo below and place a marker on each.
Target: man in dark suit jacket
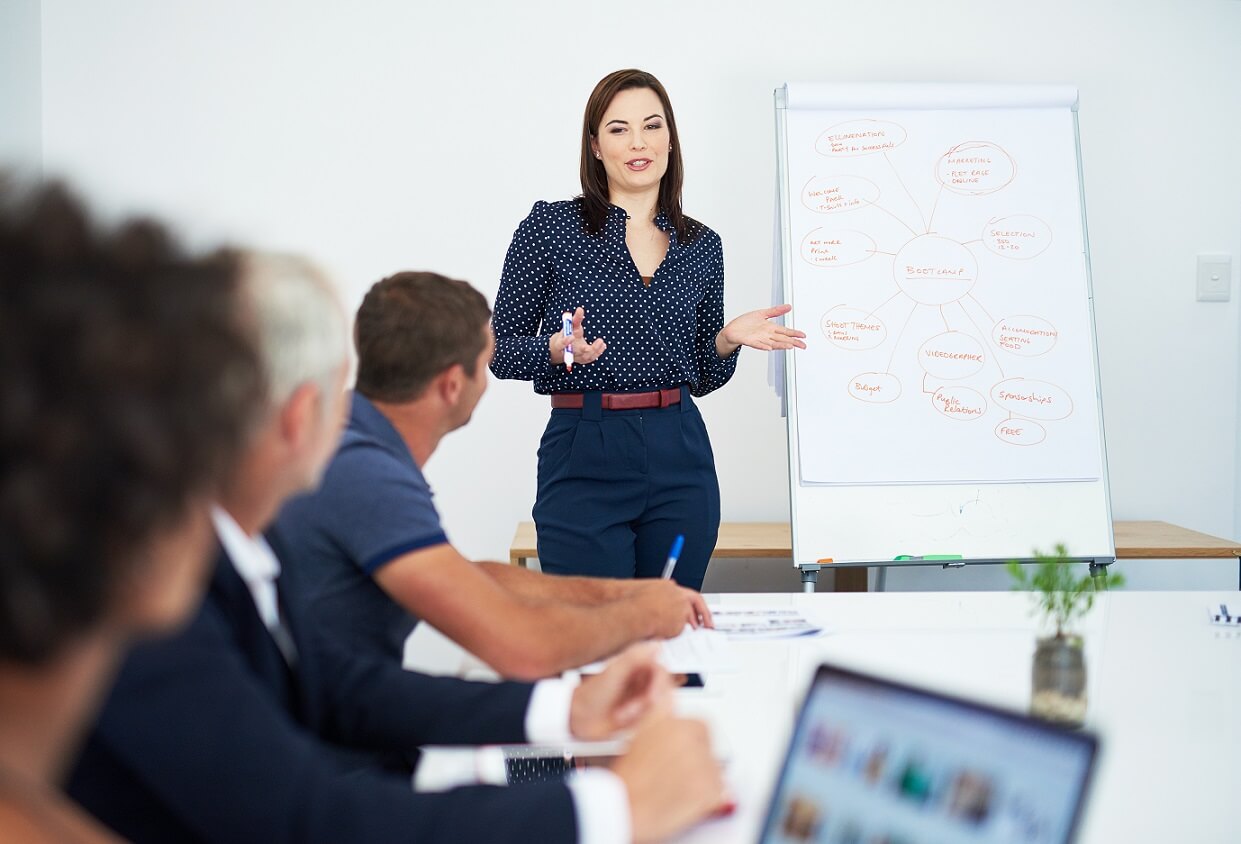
(213, 736)
(250, 726)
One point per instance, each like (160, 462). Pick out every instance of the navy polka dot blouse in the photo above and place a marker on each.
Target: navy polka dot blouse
(658, 336)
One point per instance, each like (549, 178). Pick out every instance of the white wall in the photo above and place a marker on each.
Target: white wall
(379, 136)
(21, 121)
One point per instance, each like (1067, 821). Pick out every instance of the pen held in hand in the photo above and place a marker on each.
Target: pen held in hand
(677, 545)
(566, 328)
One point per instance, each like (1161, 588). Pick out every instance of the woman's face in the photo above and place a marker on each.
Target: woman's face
(632, 141)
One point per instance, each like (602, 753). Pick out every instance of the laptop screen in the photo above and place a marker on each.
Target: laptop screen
(876, 762)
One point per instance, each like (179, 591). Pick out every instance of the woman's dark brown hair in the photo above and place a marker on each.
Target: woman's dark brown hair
(594, 199)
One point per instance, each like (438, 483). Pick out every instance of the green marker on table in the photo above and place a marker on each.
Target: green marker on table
(930, 557)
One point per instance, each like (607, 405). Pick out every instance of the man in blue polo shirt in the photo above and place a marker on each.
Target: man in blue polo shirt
(375, 556)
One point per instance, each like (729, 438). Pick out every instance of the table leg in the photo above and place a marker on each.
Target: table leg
(809, 578)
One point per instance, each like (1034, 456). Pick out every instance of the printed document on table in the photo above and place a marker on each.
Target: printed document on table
(701, 650)
(741, 623)
(694, 651)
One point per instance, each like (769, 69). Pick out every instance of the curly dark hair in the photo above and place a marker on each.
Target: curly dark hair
(129, 380)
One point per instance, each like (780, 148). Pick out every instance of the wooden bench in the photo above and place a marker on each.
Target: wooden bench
(1134, 541)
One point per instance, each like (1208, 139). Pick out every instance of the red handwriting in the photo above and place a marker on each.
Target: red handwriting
(913, 272)
(935, 353)
(851, 324)
(842, 148)
(1028, 398)
(848, 136)
(1036, 332)
(953, 405)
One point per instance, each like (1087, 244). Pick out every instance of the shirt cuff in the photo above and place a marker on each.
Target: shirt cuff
(724, 363)
(523, 357)
(601, 805)
(547, 714)
(536, 356)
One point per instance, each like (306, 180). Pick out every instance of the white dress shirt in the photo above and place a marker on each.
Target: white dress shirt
(259, 567)
(600, 801)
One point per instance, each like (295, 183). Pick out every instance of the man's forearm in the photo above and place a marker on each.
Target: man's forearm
(543, 640)
(530, 585)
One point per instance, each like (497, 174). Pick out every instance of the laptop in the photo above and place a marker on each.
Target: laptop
(873, 761)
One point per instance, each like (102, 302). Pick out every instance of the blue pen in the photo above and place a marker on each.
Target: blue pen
(677, 545)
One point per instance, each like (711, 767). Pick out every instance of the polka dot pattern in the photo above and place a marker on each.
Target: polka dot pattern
(658, 336)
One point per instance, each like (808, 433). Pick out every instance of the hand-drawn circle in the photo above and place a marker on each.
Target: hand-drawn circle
(952, 355)
(859, 137)
(1021, 432)
(875, 387)
(975, 168)
(1025, 335)
(1032, 399)
(836, 248)
(853, 329)
(958, 402)
(1019, 237)
(833, 194)
(934, 270)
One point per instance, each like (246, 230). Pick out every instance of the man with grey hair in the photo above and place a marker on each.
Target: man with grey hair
(304, 342)
(241, 727)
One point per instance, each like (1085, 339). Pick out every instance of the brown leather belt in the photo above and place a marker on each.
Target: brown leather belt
(622, 401)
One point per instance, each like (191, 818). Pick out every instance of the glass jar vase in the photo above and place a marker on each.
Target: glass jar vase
(1058, 681)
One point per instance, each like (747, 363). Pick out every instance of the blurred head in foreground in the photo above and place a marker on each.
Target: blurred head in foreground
(129, 380)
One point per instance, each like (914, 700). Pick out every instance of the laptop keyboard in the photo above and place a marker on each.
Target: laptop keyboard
(523, 769)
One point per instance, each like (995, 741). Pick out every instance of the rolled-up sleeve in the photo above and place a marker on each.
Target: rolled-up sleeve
(521, 339)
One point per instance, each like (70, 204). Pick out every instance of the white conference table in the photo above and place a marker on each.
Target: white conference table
(1164, 687)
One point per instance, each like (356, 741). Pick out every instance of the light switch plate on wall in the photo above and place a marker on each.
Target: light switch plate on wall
(1214, 278)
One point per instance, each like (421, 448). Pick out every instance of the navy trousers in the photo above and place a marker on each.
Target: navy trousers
(617, 486)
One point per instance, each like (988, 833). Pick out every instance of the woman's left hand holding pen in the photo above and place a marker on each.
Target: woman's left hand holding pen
(583, 352)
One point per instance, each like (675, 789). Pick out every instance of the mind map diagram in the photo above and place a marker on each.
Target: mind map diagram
(974, 364)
